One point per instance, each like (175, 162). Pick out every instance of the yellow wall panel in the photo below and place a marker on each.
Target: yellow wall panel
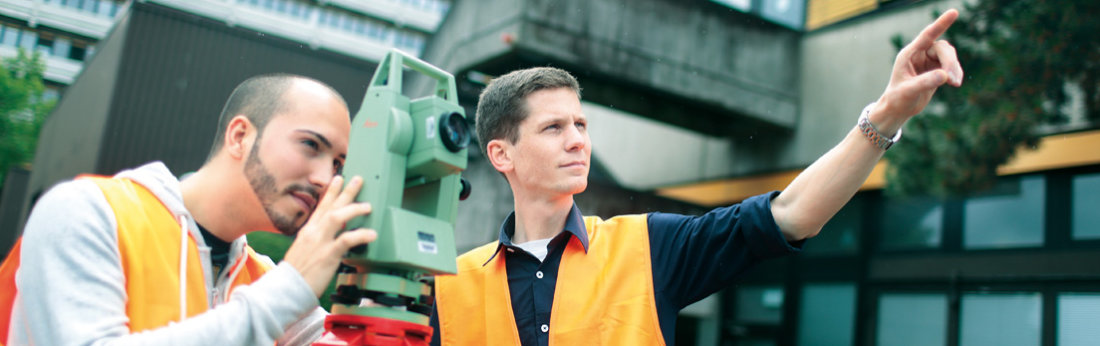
(824, 12)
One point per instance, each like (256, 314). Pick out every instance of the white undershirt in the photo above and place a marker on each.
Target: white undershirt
(536, 248)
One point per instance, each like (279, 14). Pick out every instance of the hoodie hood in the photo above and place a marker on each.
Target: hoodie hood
(156, 177)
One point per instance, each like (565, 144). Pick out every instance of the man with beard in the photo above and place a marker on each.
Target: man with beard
(144, 258)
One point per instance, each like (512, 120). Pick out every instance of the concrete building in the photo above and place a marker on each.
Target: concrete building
(67, 31)
(70, 33)
(697, 104)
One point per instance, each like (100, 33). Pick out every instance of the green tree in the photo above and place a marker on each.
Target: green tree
(1019, 58)
(23, 109)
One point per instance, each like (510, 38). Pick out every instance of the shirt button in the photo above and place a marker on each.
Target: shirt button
(545, 328)
(538, 274)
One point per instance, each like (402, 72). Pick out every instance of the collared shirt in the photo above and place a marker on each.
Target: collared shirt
(692, 257)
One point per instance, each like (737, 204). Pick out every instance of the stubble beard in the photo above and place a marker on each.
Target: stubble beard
(263, 186)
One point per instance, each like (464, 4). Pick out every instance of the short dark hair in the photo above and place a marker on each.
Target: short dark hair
(259, 98)
(502, 106)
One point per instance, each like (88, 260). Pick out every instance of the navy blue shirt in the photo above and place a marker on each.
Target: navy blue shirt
(692, 257)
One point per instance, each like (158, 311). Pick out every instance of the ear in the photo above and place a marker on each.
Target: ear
(239, 137)
(500, 155)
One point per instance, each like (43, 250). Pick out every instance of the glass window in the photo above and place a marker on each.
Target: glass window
(28, 39)
(62, 47)
(760, 304)
(11, 36)
(1086, 200)
(1010, 215)
(916, 319)
(1007, 319)
(1078, 316)
(827, 314)
(336, 19)
(911, 223)
(349, 24)
(107, 8)
(44, 46)
(299, 10)
(51, 93)
(89, 6)
(361, 28)
(841, 235)
(77, 53)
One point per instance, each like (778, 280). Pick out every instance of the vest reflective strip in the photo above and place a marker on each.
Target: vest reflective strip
(602, 297)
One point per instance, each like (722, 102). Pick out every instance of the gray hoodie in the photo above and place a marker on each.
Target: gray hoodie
(71, 288)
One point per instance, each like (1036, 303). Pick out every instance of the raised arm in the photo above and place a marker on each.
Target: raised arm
(822, 189)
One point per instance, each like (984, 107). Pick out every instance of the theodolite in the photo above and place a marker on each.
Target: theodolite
(409, 154)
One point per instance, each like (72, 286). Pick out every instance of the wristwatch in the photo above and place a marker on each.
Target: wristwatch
(872, 133)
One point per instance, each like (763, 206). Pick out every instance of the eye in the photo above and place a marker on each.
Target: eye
(311, 144)
(552, 127)
(582, 125)
(338, 167)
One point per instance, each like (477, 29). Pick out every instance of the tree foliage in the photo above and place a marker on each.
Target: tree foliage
(1020, 57)
(23, 109)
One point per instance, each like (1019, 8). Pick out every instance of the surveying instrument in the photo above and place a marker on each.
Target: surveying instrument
(409, 154)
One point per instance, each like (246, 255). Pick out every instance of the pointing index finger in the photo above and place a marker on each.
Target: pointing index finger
(933, 31)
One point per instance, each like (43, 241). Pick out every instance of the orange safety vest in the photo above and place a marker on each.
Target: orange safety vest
(149, 243)
(603, 297)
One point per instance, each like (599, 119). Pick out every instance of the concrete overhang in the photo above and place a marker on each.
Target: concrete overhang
(1058, 151)
(696, 65)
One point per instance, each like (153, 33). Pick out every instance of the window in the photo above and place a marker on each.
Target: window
(827, 314)
(912, 319)
(44, 46)
(1008, 319)
(911, 223)
(841, 235)
(4, 35)
(1086, 200)
(760, 305)
(1011, 215)
(62, 47)
(1078, 316)
(296, 9)
(28, 40)
(90, 5)
(77, 53)
(107, 9)
(11, 36)
(51, 93)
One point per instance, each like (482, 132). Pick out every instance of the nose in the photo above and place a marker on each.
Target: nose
(321, 174)
(576, 139)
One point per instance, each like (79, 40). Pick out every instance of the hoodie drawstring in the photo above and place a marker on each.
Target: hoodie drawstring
(183, 268)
